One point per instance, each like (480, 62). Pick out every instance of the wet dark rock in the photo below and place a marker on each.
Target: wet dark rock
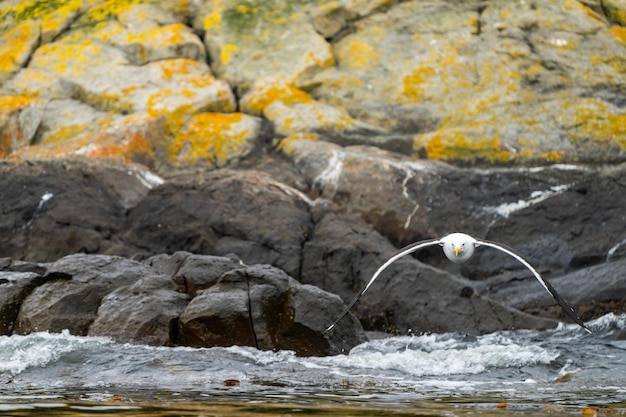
(193, 273)
(596, 290)
(178, 299)
(145, 312)
(14, 287)
(73, 304)
(197, 227)
(219, 213)
(263, 307)
(55, 208)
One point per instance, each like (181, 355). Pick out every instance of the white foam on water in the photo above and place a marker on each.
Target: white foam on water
(433, 355)
(18, 353)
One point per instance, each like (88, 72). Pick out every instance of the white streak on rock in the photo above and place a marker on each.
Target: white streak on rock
(332, 172)
(147, 178)
(614, 249)
(506, 209)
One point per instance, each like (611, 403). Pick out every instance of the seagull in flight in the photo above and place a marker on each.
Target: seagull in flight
(459, 247)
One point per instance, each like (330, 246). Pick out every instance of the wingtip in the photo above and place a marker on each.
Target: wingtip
(329, 328)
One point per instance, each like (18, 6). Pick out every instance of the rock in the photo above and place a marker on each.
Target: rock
(615, 10)
(255, 40)
(145, 312)
(220, 215)
(56, 208)
(149, 303)
(145, 41)
(484, 82)
(16, 46)
(293, 111)
(73, 304)
(408, 200)
(596, 290)
(261, 306)
(14, 287)
(126, 139)
(199, 272)
(51, 17)
(215, 139)
(19, 120)
(193, 273)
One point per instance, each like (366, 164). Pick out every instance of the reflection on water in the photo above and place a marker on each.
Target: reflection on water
(558, 372)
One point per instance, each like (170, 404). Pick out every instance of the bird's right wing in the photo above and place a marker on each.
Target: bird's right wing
(548, 287)
(402, 252)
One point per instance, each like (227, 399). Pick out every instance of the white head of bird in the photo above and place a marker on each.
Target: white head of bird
(458, 247)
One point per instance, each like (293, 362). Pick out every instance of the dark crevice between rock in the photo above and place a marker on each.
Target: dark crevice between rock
(478, 29)
(250, 315)
(10, 311)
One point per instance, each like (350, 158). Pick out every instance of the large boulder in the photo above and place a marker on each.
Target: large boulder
(146, 312)
(72, 304)
(53, 209)
(263, 307)
(218, 213)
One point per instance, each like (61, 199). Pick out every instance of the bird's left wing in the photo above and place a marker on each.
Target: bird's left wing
(402, 252)
(560, 300)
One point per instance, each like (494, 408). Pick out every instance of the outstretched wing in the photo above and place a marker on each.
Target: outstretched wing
(564, 305)
(402, 252)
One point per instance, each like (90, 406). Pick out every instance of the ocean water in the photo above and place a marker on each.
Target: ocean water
(556, 372)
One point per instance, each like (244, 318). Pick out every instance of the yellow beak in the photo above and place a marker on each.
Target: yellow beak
(457, 249)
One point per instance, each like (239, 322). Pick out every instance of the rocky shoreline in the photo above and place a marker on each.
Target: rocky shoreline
(231, 172)
(246, 229)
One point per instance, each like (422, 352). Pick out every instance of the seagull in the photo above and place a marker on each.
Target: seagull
(459, 248)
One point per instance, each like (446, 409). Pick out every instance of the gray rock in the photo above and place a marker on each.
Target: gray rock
(73, 304)
(246, 213)
(145, 312)
(55, 208)
(596, 290)
(263, 307)
(14, 287)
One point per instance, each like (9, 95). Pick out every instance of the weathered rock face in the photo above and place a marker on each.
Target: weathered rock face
(263, 307)
(271, 97)
(562, 217)
(137, 302)
(334, 238)
(55, 209)
(245, 213)
(475, 81)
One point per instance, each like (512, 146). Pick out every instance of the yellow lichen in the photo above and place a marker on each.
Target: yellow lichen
(226, 53)
(10, 104)
(262, 97)
(459, 145)
(213, 138)
(16, 46)
(357, 54)
(620, 33)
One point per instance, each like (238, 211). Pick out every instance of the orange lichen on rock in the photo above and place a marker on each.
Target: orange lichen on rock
(461, 145)
(128, 140)
(214, 139)
(620, 33)
(267, 93)
(19, 120)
